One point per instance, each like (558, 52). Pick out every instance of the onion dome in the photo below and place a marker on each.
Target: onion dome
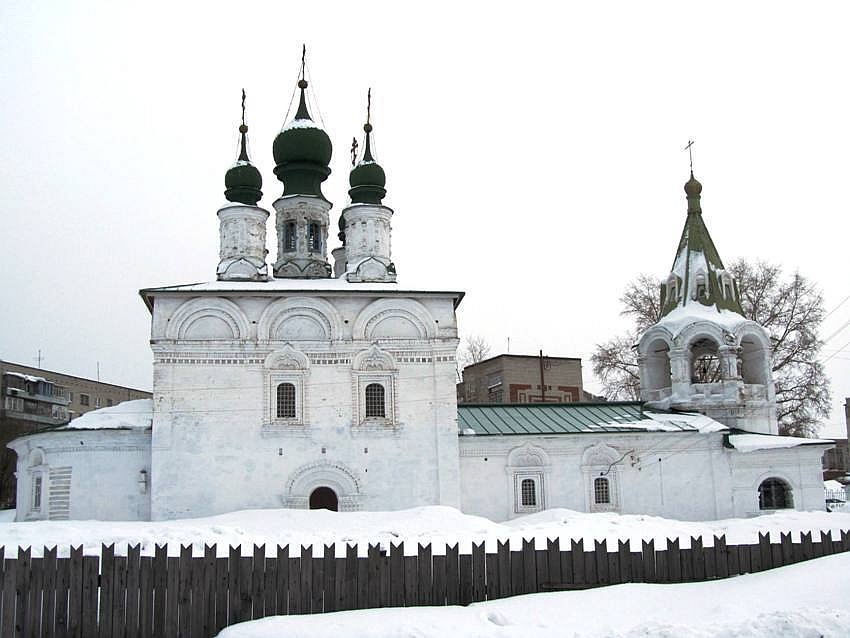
(302, 152)
(367, 179)
(693, 189)
(243, 181)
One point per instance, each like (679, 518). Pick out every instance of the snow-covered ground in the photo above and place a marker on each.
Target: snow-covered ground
(437, 525)
(806, 600)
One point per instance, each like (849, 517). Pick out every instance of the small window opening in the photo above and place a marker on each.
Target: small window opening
(705, 367)
(775, 494)
(528, 493)
(375, 400)
(286, 401)
(289, 236)
(314, 239)
(36, 492)
(601, 491)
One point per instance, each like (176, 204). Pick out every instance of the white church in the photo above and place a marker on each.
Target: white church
(302, 384)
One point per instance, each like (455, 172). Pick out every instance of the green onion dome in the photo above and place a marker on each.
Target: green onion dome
(693, 187)
(367, 179)
(302, 153)
(243, 181)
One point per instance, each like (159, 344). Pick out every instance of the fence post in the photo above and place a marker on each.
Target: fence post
(397, 574)
(424, 564)
(721, 556)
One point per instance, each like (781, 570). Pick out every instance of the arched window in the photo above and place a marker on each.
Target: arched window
(775, 494)
(528, 493)
(601, 491)
(314, 239)
(289, 236)
(375, 400)
(705, 364)
(286, 401)
(701, 289)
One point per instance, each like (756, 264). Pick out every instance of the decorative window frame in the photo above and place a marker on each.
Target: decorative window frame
(286, 365)
(600, 460)
(527, 462)
(374, 365)
(38, 474)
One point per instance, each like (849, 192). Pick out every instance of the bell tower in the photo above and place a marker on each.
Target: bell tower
(704, 355)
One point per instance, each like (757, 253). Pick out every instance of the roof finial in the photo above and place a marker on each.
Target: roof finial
(690, 155)
(303, 59)
(243, 130)
(367, 151)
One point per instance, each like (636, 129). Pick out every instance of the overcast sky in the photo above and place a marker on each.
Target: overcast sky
(534, 154)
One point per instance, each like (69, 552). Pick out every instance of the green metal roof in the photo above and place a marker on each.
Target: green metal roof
(561, 418)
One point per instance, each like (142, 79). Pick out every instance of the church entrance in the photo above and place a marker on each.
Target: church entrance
(324, 498)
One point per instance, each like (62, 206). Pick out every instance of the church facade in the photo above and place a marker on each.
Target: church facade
(300, 383)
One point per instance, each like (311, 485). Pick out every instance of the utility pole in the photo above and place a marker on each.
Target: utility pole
(98, 370)
(38, 358)
(542, 381)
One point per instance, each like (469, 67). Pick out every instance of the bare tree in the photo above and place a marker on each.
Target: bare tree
(474, 349)
(791, 311)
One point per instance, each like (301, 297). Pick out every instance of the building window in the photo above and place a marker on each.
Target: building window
(314, 239)
(70, 397)
(36, 493)
(375, 405)
(97, 402)
(775, 494)
(528, 493)
(109, 403)
(289, 236)
(286, 401)
(601, 491)
(84, 399)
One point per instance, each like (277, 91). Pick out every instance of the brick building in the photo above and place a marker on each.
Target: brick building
(517, 378)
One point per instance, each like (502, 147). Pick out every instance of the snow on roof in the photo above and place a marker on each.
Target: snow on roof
(752, 442)
(129, 415)
(682, 316)
(677, 421)
(303, 285)
(27, 377)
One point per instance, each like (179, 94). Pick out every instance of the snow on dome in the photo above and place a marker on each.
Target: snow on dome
(752, 442)
(682, 316)
(129, 415)
(298, 123)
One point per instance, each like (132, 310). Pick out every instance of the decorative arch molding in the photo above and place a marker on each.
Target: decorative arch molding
(199, 308)
(287, 358)
(318, 311)
(655, 333)
(704, 330)
(374, 358)
(757, 332)
(408, 310)
(324, 473)
(528, 455)
(599, 454)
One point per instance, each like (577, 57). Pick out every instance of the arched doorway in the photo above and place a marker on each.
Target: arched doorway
(324, 498)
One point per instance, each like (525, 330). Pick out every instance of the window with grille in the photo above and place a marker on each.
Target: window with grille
(528, 493)
(775, 494)
(36, 492)
(286, 401)
(375, 400)
(314, 239)
(289, 236)
(601, 491)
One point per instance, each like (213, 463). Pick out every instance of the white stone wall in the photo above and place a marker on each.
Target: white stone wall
(217, 445)
(85, 474)
(686, 476)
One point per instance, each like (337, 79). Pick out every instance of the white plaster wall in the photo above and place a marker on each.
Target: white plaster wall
(688, 482)
(104, 466)
(799, 466)
(213, 449)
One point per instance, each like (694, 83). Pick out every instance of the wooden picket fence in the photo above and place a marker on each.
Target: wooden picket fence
(136, 596)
